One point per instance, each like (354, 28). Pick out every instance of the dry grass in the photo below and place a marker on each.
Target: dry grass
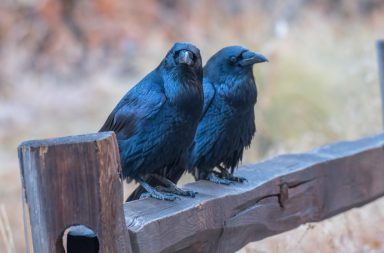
(6, 232)
(320, 86)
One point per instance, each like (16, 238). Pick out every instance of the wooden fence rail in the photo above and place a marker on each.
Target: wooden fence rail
(75, 180)
(380, 60)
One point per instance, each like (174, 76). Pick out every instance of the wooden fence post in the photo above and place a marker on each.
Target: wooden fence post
(380, 58)
(74, 181)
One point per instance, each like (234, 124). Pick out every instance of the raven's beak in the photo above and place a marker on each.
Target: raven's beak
(185, 57)
(250, 58)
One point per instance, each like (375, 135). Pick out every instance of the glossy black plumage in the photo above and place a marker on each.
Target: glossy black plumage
(156, 120)
(228, 122)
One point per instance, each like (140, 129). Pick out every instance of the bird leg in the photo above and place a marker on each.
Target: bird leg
(171, 187)
(152, 192)
(225, 174)
(214, 178)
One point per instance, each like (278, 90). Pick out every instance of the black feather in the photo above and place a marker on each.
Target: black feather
(228, 123)
(156, 120)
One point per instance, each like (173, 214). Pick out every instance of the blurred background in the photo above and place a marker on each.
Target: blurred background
(66, 63)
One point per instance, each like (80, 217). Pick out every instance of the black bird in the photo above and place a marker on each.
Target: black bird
(156, 120)
(227, 125)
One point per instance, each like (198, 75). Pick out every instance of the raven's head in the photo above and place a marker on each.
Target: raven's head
(183, 55)
(233, 61)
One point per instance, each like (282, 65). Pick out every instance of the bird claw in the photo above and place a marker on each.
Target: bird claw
(145, 195)
(188, 193)
(217, 180)
(177, 191)
(236, 179)
(154, 193)
(229, 176)
(159, 196)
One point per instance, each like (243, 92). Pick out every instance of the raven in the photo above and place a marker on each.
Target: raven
(156, 120)
(227, 125)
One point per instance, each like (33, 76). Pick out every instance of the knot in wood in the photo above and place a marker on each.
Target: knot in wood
(284, 195)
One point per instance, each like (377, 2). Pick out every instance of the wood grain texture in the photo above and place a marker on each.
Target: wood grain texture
(380, 60)
(74, 180)
(281, 194)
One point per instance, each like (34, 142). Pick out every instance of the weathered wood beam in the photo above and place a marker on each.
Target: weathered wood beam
(281, 194)
(75, 180)
(380, 59)
(70, 181)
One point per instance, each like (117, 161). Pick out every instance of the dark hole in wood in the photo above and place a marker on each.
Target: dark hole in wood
(80, 239)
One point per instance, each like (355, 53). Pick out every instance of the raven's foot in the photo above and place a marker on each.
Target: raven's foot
(177, 191)
(171, 187)
(152, 192)
(226, 175)
(236, 179)
(217, 180)
(159, 195)
(233, 178)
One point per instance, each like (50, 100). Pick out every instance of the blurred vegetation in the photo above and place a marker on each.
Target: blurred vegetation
(66, 63)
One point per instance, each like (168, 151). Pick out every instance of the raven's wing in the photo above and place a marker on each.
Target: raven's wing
(209, 94)
(140, 103)
(201, 144)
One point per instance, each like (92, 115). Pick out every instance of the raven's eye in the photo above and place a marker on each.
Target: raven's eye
(233, 59)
